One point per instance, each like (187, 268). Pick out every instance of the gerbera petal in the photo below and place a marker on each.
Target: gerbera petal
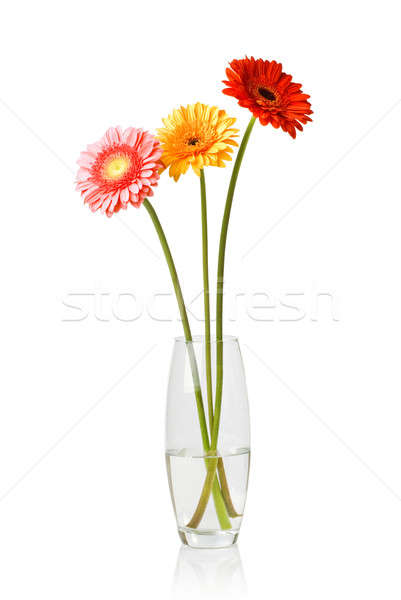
(124, 195)
(83, 173)
(130, 135)
(114, 200)
(95, 205)
(112, 136)
(85, 159)
(94, 149)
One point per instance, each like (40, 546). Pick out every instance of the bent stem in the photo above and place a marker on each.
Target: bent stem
(209, 484)
(219, 503)
(225, 490)
(184, 319)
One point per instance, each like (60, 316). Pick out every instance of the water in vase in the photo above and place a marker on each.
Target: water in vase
(186, 472)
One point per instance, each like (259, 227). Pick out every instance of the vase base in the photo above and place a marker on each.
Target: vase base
(207, 539)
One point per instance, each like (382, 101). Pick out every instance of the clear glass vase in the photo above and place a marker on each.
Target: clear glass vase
(208, 484)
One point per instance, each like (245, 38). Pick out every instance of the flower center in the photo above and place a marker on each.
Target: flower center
(267, 94)
(116, 166)
(193, 141)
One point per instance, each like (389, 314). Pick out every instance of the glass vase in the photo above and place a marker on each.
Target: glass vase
(208, 481)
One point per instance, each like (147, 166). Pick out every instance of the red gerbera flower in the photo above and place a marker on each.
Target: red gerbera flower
(270, 94)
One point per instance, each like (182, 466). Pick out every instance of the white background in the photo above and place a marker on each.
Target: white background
(84, 504)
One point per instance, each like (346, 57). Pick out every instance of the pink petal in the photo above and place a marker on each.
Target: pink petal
(85, 160)
(124, 195)
(94, 149)
(82, 174)
(156, 154)
(132, 197)
(114, 201)
(106, 204)
(111, 136)
(130, 135)
(95, 205)
(147, 148)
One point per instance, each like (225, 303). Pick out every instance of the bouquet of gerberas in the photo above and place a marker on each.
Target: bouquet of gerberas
(122, 168)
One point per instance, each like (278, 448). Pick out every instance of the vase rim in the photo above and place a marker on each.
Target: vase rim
(227, 339)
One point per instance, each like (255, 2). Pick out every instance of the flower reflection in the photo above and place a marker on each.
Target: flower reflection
(209, 574)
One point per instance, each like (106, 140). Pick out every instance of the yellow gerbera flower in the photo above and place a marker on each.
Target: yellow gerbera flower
(197, 135)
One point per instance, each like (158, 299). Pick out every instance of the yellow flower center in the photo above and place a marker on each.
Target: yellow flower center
(116, 167)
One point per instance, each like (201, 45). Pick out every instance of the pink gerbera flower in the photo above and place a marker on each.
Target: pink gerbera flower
(120, 168)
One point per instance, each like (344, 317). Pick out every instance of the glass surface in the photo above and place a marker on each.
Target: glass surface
(189, 462)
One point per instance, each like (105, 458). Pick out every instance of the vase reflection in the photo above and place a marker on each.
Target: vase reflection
(209, 574)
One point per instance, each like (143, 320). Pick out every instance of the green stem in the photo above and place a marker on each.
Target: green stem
(208, 360)
(210, 482)
(218, 500)
(220, 285)
(225, 490)
(185, 322)
(206, 297)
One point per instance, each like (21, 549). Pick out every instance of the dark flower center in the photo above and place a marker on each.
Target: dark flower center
(267, 94)
(193, 141)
